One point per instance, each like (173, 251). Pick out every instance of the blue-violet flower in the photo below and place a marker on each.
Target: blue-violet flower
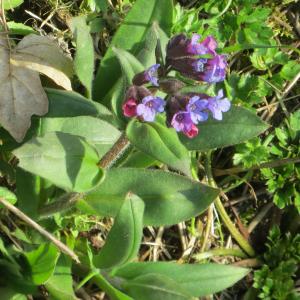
(218, 104)
(149, 107)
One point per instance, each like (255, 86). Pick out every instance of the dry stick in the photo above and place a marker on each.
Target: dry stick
(61, 246)
(258, 218)
(270, 164)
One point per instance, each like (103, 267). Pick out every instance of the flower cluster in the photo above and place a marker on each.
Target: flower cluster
(186, 112)
(194, 59)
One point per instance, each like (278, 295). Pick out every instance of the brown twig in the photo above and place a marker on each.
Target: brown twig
(61, 246)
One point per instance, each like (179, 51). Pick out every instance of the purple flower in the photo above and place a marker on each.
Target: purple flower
(215, 69)
(149, 75)
(149, 107)
(196, 107)
(182, 122)
(217, 105)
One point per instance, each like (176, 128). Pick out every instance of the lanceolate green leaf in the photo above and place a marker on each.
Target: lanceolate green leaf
(60, 284)
(129, 66)
(129, 37)
(42, 262)
(123, 241)
(71, 104)
(66, 160)
(161, 143)
(84, 58)
(155, 286)
(198, 279)
(238, 125)
(169, 198)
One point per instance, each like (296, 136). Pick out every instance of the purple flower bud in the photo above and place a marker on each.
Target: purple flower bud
(183, 56)
(149, 107)
(217, 105)
(149, 75)
(196, 107)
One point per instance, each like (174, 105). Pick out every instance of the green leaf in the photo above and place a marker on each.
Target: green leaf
(60, 284)
(129, 66)
(71, 104)
(8, 293)
(29, 192)
(198, 279)
(161, 143)
(42, 262)
(295, 121)
(84, 57)
(10, 4)
(238, 125)
(7, 195)
(66, 160)
(19, 28)
(155, 286)
(98, 133)
(130, 36)
(123, 241)
(169, 198)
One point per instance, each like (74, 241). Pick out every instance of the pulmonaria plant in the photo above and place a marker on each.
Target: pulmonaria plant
(193, 58)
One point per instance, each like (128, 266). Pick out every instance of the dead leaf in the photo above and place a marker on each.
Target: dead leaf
(21, 92)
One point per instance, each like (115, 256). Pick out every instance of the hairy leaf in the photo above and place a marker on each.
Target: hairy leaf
(198, 279)
(238, 125)
(130, 36)
(161, 143)
(123, 241)
(64, 159)
(169, 198)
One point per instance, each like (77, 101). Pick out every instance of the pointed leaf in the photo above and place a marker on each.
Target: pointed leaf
(169, 198)
(64, 159)
(42, 262)
(123, 241)
(155, 286)
(161, 143)
(198, 279)
(84, 57)
(129, 37)
(238, 125)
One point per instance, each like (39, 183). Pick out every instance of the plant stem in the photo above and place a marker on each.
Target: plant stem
(115, 152)
(244, 244)
(61, 246)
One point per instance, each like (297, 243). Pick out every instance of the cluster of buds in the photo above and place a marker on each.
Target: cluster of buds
(193, 59)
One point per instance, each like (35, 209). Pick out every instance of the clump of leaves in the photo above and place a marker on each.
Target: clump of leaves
(283, 180)
(275, 280)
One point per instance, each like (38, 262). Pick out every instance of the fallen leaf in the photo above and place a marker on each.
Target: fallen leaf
(21, 92)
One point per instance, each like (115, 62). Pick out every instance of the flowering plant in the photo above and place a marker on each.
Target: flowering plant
(184, 111)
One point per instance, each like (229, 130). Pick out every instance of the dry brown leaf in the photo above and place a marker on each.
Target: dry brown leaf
(21, 92)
